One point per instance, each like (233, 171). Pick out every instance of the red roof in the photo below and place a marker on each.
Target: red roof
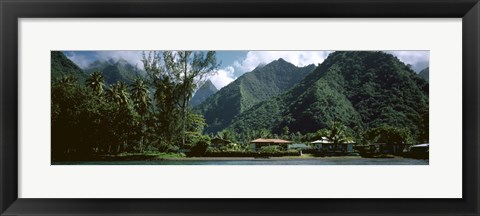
(270, 141)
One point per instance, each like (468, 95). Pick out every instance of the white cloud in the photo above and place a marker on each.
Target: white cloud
(223, 77)
(298, 58)
(418, 59)
(133, 57)
(80, 60)
(83, 60)
(254, 58)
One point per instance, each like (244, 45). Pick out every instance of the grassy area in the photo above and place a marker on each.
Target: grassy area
(152, 156)
(302, 156)
(149, 155)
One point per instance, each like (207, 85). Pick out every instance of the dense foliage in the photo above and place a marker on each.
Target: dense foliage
(86, 122)
(249, 89)
(180, 73)
(61, 66)
(362, 90)
(93, 118)
(365, 97)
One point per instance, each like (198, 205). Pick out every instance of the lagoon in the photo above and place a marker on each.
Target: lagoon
(252, 161)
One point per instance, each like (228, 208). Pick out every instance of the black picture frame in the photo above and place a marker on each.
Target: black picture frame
(12, 10)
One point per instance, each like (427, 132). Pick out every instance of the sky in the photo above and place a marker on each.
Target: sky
(235, 63)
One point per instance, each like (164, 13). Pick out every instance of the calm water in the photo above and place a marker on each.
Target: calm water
(316, 161)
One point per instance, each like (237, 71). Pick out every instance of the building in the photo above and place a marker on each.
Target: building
(322, 144)
(325, 145)
(259, 143)
(420, 151)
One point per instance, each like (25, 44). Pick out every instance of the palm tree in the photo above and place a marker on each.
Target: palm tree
(112, 93)
(67, 80)
(141, 98)
(141, 103)
(118, 93)
(123, 93)
(96, 83)
(337, 134)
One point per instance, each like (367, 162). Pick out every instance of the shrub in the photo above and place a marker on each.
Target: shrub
(200, 147)
(270, 150)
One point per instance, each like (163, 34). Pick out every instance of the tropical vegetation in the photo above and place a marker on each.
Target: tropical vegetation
(172, 109)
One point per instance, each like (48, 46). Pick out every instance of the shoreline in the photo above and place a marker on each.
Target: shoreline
(256, 159)
(206, 159)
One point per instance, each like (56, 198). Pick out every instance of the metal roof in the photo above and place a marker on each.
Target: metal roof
(270, 141)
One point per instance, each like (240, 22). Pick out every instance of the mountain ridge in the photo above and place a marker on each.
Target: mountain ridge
(358, 89)
(425, 73)
(115, 70)
(205, 91)
(62, 66)
(247, 90)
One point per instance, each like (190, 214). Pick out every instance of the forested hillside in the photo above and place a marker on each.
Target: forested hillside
(251, 88)
(112, 109)
(362, 90)
(61, 66)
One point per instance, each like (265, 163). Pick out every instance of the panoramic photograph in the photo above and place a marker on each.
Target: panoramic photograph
(239, 107)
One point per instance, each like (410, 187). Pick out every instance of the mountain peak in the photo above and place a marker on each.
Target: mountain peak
(281, 61)
(424, 73)
(278, 63)
(204, 92)
(115, 70)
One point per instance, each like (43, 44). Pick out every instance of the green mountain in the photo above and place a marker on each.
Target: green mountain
(251, 88)
(114, 71)
(205, 91)
(62, 66)
(424, 73)
(359, 89)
